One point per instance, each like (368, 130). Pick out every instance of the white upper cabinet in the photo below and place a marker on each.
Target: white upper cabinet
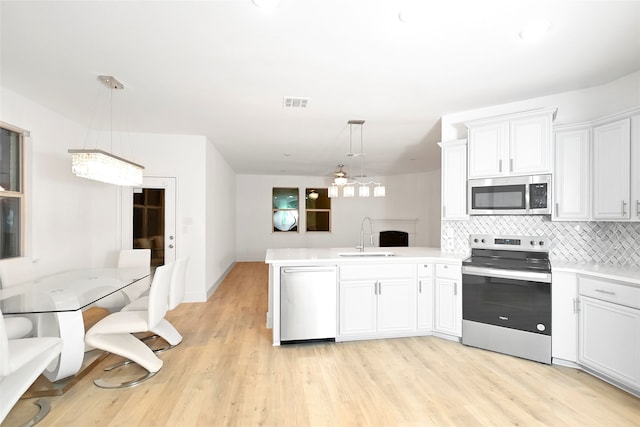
(612, 170)
(635, 168)
(515, 144)
(572, 174)
(454, 180)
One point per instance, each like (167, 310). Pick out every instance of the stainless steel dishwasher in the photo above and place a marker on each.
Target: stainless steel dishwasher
(308, 300)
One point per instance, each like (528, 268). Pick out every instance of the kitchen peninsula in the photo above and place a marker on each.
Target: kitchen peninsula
(380, 292)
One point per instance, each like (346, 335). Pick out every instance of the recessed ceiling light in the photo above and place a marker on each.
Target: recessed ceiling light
(535, 31)
(266, 4)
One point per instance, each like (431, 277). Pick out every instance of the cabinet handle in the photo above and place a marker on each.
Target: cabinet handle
(444, 211)
(557, 209)
(500, 165)
(510, 165)
(576, 305)
(420, 286)
(455, 288)
(637, 207)
(379, 288)
(602, 291)
(624, 207)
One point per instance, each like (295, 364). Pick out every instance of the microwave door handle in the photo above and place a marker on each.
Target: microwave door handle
(506, 274)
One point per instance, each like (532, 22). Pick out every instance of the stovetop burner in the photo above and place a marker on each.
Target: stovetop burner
(515, 253)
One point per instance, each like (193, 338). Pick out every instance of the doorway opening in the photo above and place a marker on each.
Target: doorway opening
(148, 222)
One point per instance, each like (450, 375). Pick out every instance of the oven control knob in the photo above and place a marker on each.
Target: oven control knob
(482, 240)
(533, 242)
(475, 240)
(541, 243)
(541, 327)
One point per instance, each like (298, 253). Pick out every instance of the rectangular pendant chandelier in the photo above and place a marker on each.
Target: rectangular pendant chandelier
(101, 166)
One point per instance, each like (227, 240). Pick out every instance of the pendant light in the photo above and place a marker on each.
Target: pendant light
(341, 180)
(103, 166)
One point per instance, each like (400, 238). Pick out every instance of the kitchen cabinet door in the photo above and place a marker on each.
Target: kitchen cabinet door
(425, 303)
(635, 168)
(396, 305)
(488, 149)
(358, 308)
(454, 180)
(564, 318)
(572, 175)
(448, 306)
(610, 340)
(611, 171)
(530, 145)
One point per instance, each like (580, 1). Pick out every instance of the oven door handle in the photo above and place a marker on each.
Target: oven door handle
(507, 274)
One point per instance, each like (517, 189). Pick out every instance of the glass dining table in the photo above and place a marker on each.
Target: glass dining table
(55, 304)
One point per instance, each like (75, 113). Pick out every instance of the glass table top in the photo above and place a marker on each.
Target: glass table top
(68, 291)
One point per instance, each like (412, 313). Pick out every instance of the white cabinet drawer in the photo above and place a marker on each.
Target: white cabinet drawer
(605, 290)
(448, 271)
(425, 270)
(377, 271)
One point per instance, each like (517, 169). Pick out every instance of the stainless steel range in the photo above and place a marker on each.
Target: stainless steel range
(506, 296)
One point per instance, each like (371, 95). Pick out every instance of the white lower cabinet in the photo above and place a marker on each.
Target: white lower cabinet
(609, 338)
(425, 297)
(564, 317)
(377, 301)
(448, 299)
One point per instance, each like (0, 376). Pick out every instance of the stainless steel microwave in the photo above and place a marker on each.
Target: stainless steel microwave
(517, 195)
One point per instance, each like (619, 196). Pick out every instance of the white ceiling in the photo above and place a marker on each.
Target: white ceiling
(222, 68)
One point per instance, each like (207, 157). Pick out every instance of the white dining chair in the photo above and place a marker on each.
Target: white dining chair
(128, 258)
(165, 329)
(21, 363)
(115, 332)
(12, 272)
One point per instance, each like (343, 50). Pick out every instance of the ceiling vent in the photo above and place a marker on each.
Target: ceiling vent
(290, 102)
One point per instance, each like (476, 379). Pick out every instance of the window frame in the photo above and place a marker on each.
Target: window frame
(308, 210)
(274, 210)
(21, 194)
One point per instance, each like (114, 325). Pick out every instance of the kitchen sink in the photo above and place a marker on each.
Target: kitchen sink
(365, 254)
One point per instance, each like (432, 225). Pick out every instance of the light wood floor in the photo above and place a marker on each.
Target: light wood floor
(227, 373)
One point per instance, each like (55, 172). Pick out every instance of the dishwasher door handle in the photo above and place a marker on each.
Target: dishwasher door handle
(309, 270)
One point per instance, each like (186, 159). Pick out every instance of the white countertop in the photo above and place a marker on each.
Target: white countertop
(297, 256)
(628, 274)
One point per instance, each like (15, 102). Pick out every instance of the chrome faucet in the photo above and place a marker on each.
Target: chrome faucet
(361, 247)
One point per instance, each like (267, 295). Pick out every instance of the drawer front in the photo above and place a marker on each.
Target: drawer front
(425, 270)
(448, 271)
(605, 290)
(377, 271)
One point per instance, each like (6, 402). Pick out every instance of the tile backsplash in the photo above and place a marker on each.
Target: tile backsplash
(602, 242)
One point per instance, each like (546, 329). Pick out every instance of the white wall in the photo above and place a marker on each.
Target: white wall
(409, 196)
(220, 199)
(573, 107)
(75, 222)
(72, 221)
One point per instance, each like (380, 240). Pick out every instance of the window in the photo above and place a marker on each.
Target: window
(285, 209)
(318, 206)
(11, 192)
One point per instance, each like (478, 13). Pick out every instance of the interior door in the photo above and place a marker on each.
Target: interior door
(163, 247)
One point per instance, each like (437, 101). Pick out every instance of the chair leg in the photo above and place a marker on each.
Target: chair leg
(45, 407)
(102, 383)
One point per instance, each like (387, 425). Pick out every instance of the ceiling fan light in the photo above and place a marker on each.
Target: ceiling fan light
(348, 191)
(363, 191)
